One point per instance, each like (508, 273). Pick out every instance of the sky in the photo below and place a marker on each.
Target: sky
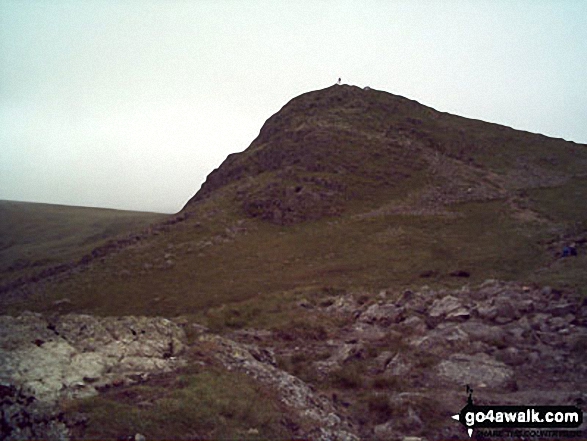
(130, 104)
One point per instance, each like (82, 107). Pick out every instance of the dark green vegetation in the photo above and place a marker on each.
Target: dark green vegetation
(344, 189)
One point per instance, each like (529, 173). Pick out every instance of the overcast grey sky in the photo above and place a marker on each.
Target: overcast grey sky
(131, 103)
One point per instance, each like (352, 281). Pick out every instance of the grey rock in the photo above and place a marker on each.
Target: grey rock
(367, 332)
(479, 370)
(507, 310)
(490, 334)
(23, 417)
(382, 314)
(486, 312)
(72, 354)
(399, 365)
(512, 356)
(539, 321)
(413, 325)
(349, 351)
(446, 305)
(447, 337)
(561, 310)
(382, 360)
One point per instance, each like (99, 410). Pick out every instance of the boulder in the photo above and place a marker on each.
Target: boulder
(507, 310)
(448, 307)
(478, 370)
(382, 314)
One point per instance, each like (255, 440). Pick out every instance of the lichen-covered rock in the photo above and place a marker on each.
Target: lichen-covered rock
(73, 354)
(45, 359)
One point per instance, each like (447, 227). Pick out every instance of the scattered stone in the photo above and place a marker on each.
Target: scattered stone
(494, 337)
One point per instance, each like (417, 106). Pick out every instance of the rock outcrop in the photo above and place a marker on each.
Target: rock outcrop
(396, 366)
(73, 356)
(316, 413)
(416, 351)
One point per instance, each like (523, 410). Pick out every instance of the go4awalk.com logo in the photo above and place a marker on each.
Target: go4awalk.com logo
(515, 417)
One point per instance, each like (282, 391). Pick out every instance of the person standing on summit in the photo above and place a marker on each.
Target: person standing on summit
(338, 82)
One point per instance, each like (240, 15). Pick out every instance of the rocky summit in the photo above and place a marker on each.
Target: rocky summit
(329, 147)
(351, 275)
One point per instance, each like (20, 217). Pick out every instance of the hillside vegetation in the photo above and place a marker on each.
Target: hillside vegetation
(347, 188)
(356, 232)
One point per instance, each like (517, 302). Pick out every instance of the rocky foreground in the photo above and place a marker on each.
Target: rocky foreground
(396, 365)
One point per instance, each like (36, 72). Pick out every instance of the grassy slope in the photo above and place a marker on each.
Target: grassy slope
(193, 404)
(34, 235)
(385, 151)
(209, 267)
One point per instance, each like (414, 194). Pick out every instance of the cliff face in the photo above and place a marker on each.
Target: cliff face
(328, 147)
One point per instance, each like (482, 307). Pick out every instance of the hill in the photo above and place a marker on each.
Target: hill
(34, 236)
(359, 230)
(344, 188)
(326, 148)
